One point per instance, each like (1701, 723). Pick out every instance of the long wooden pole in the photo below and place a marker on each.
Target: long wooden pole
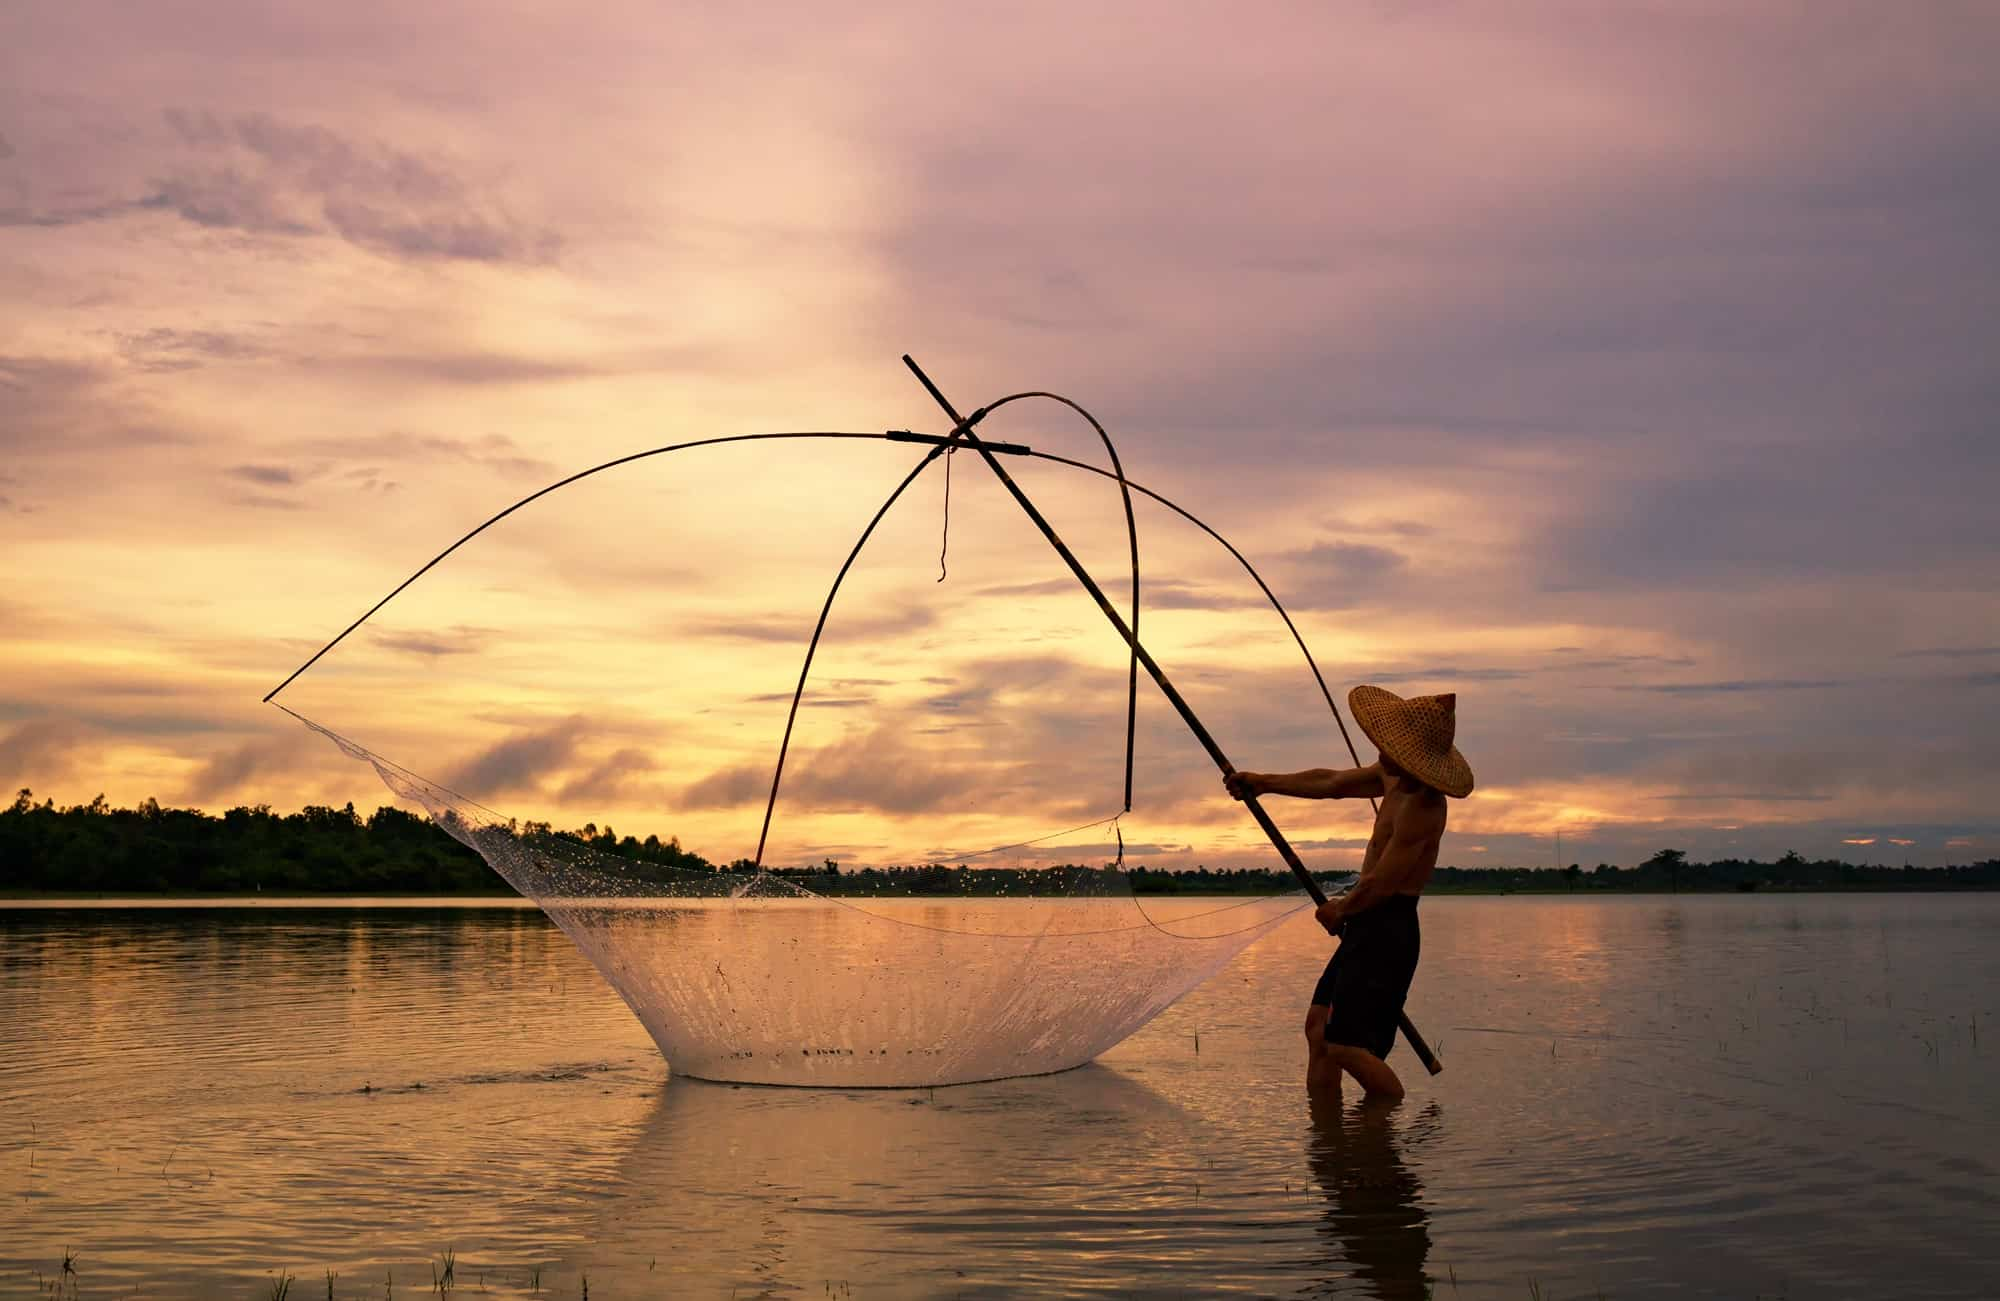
(962, 428)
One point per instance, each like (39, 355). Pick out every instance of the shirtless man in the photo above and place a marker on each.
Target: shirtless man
(1351, 1024)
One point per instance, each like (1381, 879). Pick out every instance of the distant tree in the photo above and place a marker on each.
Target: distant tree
(1669, 861)
(1575, 873)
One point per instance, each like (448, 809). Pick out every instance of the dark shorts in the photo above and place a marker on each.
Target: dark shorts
(1369, 977)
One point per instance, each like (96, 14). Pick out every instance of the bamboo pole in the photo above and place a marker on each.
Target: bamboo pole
(962, 427)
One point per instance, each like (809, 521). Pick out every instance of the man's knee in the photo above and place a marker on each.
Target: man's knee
(1376, 1076)
(1316, 1024)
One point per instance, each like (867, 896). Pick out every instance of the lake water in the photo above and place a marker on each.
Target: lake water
(1778, 1096)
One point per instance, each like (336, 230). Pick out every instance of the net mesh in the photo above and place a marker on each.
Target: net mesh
(758, 977)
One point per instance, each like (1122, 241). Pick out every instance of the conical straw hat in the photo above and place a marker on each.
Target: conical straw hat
(1417, 734)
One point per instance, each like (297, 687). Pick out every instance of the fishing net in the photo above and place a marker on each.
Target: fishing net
(923, 974)
(756, 977)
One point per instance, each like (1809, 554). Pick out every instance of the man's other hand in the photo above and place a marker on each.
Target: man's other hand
(1330, 914)
(1242, 785)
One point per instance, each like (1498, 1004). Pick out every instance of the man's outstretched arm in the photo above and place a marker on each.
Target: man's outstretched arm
(1311, 784)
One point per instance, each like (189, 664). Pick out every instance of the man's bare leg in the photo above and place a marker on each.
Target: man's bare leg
(1377, 1079)
(1322, 1072)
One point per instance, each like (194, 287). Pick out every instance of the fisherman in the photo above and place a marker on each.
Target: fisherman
(1351, 1024)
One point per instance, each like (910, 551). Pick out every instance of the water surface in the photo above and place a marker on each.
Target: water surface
(1645, 1096)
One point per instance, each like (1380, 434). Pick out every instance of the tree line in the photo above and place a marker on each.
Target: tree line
(96, 849)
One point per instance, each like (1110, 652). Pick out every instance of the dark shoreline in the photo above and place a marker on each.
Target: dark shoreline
(158, 852)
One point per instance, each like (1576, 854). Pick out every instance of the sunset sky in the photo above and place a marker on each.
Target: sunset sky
(1628, 370)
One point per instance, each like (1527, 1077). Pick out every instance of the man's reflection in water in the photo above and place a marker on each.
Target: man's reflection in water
(1375, 1217)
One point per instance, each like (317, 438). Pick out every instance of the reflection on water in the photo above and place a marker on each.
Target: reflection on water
(1717, 1096)
(1375, 1217)
(950, 1190)
(195, 1097)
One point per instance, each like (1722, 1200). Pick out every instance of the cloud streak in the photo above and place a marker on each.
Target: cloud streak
(260, 175)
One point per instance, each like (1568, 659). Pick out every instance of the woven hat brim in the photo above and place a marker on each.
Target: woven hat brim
(1373, 709)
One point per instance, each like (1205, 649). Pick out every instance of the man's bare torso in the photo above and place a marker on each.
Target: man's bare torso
(1403, 849)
